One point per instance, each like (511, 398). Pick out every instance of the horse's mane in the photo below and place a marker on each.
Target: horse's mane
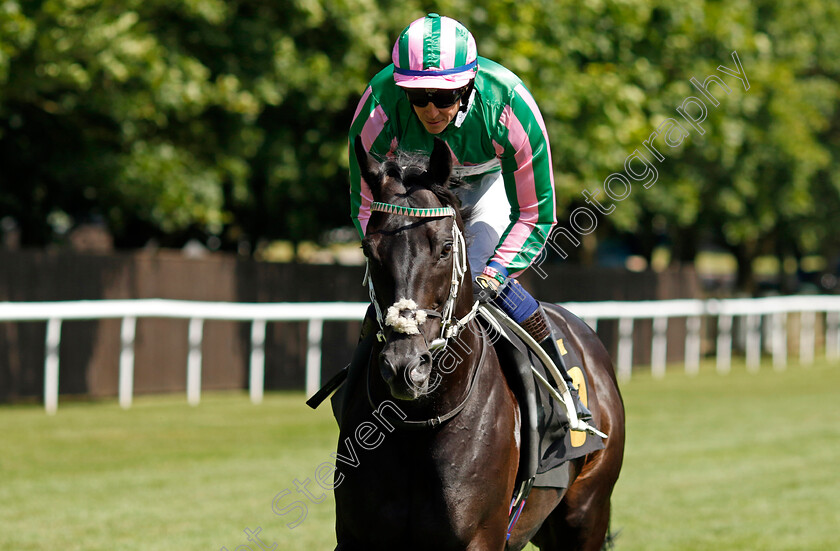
(407, 166)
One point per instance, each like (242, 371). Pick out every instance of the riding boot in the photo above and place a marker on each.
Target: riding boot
(537, 326)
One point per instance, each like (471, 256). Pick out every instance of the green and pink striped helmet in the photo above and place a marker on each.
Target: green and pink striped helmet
(434, 52)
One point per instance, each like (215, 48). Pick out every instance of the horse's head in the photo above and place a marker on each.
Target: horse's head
(416, 262)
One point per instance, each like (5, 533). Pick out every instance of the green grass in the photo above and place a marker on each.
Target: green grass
(734, 462)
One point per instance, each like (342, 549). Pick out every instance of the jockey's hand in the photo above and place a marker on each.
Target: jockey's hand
(487, 287)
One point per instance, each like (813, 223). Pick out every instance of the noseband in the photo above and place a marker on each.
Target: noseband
(409, 324)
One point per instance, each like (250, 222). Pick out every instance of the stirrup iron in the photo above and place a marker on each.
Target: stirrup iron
(568, 402)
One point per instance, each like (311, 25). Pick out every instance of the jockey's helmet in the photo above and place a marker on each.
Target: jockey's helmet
(434, 52)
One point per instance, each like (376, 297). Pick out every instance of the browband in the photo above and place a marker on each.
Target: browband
(411, 211)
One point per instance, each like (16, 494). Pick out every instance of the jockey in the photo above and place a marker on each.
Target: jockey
(437, 86)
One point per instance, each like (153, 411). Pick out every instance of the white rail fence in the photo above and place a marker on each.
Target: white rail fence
(750, 311)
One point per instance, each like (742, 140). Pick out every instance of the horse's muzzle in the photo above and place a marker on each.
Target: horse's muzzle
(407, 375)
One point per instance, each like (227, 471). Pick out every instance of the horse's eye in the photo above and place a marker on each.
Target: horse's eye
(447, 249)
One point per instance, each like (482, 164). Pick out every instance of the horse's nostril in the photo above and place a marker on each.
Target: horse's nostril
(420, 368)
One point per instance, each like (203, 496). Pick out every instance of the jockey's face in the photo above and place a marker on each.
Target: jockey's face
(436, 119)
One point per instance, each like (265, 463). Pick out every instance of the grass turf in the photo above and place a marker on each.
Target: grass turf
(734, 462)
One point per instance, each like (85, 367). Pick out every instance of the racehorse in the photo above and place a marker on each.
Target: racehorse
(439, 470)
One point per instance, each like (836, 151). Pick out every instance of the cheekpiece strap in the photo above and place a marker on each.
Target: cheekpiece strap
(410, 211)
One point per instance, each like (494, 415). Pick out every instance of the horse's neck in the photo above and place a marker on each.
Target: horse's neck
(467, 346)
(459, 363)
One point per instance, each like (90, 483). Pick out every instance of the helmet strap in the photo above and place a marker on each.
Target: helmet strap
(466, 96)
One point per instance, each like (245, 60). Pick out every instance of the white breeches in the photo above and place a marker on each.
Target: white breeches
(490, 217)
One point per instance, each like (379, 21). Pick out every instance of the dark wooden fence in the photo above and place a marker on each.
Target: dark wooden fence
(90, 349)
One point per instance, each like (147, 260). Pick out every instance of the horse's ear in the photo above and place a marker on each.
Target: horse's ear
(367, 165)
(440, 162)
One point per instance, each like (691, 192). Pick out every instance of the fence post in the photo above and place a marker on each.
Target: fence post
(53, 341)
(832, 335)
(257, 371)
(807, 339)
(196, 335)
(625, 348)
(128, 331)
(314, 333)
(724, 343)
(780, 340)
(692, 345)
(659, 347)
(753, 342)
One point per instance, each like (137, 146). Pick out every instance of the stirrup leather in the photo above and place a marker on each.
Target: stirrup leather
(561, 393)
(555, 350)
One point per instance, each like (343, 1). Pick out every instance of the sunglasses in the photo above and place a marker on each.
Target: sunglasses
(440, 98)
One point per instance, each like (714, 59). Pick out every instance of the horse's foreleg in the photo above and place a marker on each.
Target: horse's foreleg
(584, 528)
(541, 503)
(581, 521)
(487, 542)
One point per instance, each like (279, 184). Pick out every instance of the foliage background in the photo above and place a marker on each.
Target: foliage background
(187, 118)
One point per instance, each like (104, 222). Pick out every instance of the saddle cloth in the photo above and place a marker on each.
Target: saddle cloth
(557, 444)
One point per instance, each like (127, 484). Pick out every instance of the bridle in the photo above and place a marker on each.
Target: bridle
(450, 326)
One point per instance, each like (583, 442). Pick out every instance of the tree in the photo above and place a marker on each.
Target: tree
(168, 119)
(607, 74)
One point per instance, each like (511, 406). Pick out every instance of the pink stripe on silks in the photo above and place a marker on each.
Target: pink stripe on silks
(500, 149)
(447, 42)
(364, 208)
(373, 126)
(370, 131)
(415, 45)
(361, 104)
(532, 105)
(526, 193)
(512, 245)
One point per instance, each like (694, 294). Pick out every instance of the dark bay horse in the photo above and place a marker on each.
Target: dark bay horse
(428, 453)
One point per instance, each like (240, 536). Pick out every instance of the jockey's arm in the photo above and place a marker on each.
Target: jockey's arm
(529, 184)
